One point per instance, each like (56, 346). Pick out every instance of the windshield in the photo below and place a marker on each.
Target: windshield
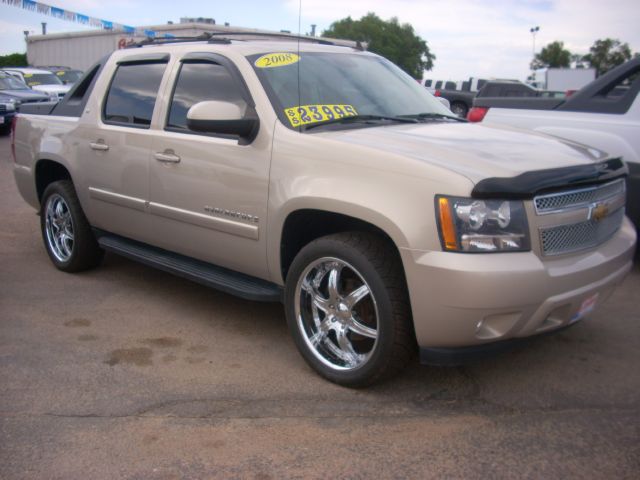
(33, 79)
(9, 83)
(335, 85)
(69, 76)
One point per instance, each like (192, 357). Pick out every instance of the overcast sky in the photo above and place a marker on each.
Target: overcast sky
(488, 38)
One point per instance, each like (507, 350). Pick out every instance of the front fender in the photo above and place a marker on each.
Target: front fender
(329, 205)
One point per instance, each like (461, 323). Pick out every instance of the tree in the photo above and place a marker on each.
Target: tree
(553, 55)
(606, 54)
(397, 42)
(14, 60)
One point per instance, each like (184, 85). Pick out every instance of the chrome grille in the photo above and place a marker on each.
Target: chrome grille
(555, 202)
(579, 236)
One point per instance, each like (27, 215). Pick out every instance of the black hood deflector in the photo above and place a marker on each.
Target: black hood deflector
(529, 184)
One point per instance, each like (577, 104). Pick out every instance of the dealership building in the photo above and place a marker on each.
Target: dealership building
(79, 50)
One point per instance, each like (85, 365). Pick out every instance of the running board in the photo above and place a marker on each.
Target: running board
(222, 279)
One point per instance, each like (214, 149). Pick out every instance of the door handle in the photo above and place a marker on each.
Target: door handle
(168, 156)
(99, 145)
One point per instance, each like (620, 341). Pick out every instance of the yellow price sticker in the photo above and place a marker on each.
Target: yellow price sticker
(306, 114)
(60, 74)
(278, 59)
(28, 75)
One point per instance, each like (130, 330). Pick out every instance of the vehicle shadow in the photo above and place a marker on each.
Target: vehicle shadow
(557, 371)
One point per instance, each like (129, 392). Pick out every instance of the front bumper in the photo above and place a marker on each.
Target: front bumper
(463, 300)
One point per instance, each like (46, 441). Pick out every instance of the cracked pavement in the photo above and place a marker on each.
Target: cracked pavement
(128, 372)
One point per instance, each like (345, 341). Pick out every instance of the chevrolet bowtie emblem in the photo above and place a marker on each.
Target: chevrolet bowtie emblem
(598, 211)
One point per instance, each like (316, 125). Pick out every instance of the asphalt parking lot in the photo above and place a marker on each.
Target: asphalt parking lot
(127, 372)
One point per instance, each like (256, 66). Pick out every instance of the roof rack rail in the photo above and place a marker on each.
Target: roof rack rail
(221, 37)
(321, 41)
(203, 37)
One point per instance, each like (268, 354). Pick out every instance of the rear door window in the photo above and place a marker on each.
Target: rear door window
(132, 94)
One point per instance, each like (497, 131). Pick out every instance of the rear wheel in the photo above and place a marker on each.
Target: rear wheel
(348, 310)
(460, 109)
(66, 232)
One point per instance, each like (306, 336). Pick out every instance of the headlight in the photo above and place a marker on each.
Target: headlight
(471, 225)
(53, 97)
(10, 106)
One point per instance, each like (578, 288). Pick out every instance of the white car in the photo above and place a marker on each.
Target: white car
(41, 81)
(604, 114)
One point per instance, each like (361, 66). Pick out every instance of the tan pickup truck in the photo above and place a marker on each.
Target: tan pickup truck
(324, 177)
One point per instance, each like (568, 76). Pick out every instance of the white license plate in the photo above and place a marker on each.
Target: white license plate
(587, 306)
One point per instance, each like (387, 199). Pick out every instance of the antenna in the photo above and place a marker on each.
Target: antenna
(299, 59)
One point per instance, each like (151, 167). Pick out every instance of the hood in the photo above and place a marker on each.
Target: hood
(25, 95)
(474, 150)
(52, 88)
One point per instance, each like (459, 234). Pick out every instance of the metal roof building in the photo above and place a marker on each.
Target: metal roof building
(81, 49)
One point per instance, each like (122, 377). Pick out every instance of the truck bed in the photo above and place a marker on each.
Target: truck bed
(525, 103)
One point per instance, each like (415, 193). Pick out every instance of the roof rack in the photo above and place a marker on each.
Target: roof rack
(221, 37)
(290, 36)
(203, 37)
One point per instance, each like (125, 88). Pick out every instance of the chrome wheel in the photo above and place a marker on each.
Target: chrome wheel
(59, 228)
(336, 314)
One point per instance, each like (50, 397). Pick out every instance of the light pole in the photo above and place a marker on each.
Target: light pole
(533, 31)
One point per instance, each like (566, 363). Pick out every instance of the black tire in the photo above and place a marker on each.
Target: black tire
(460, 109)
(378, 265)
(83, 251)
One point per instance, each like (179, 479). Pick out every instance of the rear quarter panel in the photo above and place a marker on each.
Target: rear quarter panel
(40, 137)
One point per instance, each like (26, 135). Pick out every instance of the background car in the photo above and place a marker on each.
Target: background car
(69, 76)
(7, 112)
(461, 94)
(40, 80)
(15, 89)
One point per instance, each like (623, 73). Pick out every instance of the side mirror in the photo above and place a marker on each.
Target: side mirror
(445, 102)
(221, 117)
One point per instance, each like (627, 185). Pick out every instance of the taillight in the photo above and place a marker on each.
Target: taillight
(476, 114)
(14, 122)
(437, 93)
(568, 93)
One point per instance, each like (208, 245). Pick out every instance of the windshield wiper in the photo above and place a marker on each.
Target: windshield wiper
(432, 115)
(358, 119)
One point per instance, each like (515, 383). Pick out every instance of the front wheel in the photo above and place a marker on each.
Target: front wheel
(348, 309)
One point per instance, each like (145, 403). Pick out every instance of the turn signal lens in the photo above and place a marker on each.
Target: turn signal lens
(446, 224)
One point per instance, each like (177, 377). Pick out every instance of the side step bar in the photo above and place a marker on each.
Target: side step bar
(222, 279)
